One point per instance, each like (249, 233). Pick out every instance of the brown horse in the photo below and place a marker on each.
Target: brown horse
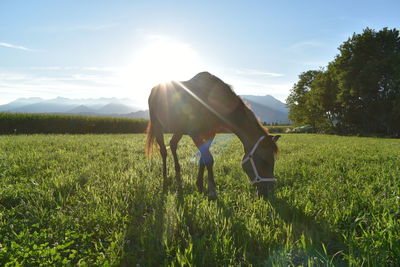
(200, 107)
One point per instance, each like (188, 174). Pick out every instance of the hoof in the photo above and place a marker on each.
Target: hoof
(166, 183)
(200, 187)
(212, 195)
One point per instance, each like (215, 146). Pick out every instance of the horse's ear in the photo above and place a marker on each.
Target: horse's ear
(275, 138)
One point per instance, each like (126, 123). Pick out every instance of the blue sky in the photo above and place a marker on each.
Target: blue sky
(83, 49)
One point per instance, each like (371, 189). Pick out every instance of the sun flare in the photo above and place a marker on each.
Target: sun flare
(160, 61)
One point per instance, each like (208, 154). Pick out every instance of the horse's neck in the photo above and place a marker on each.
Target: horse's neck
(247, 129)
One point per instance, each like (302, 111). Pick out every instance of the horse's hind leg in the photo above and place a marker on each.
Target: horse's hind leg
(163, 152)
(174, 146)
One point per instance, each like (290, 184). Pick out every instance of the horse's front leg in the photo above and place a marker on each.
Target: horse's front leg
(206, 160)
(200, 186)
(212, 188)
(199, 183)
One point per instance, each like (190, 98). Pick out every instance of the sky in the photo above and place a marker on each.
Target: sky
(91, 49)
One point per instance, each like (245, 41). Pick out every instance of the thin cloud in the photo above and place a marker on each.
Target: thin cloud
(20, 47)
(258, 72)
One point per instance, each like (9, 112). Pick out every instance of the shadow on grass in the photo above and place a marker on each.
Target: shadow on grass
(312, 242)
(145, 240)
(319, 240)
(250, 247)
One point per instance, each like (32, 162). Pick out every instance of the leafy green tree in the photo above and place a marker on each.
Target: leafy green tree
(324, 97)
(368, 74)
(301, 109)
(359, 91)
(308, 100)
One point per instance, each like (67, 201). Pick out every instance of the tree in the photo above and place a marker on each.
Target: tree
(358, 92)
(301, 109)
(368, 74)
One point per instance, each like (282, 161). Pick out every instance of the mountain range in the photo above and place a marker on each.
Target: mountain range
(90, 106)
(267, 108)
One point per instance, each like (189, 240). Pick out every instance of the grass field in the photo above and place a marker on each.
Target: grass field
(96, 200)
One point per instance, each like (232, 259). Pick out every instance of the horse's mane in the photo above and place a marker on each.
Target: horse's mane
(208, 78)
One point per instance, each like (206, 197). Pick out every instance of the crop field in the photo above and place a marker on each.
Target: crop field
(36, 123)
(96, 200)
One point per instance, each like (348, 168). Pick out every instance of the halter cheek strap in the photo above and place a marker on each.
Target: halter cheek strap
(249, 157)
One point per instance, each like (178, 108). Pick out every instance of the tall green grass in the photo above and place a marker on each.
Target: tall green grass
(23, 123)
(96, 200)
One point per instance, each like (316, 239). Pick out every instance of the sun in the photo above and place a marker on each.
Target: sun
(160, 61)
(163, 61)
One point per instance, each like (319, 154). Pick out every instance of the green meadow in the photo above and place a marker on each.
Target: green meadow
(94, 200)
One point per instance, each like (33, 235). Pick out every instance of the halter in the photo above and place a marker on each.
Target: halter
(258, 178)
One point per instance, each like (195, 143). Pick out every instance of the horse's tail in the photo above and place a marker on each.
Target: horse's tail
(150, 139)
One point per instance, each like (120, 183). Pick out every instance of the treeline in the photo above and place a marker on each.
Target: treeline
(22, 123)
(358, 92)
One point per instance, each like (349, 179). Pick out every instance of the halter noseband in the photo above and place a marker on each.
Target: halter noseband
(249, 157)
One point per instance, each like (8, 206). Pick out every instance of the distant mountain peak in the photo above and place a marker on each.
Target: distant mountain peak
(81, 109)
(267, 100)
(267, 108)
(116, 108)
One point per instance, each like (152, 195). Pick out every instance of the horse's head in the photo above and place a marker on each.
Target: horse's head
(259, 161)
